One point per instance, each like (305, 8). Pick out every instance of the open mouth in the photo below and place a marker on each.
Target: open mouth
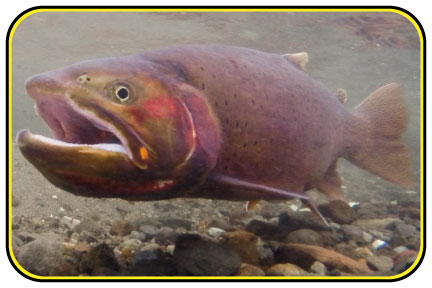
(88, 125)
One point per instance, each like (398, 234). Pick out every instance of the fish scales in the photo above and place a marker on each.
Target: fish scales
(280, 127)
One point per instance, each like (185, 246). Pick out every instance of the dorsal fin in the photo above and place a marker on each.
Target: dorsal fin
(341, 95)
(299, 59)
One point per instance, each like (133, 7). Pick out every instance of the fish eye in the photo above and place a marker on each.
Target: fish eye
(122, 93)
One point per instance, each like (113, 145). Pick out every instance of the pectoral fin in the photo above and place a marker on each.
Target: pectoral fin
(234, 182)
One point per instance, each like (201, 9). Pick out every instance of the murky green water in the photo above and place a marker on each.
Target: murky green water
(358, 52)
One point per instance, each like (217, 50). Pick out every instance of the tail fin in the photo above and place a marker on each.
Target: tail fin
(377, 147)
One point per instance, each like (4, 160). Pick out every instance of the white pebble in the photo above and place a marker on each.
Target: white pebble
(304, 210)
(378, 244)
(353, 204)
(367, 237)
(294, 207)
(170, 249)
(400, 249)
(55, 197)
(215, 232)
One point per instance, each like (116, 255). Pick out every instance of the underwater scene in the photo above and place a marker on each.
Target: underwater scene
(240, 144)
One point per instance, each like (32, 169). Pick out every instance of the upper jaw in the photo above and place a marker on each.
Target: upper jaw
(74, 120)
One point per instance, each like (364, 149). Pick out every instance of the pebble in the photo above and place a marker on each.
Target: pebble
(69, 222)
(89, 225)
(149, 230)
(215, 232)
(245, 244)
(199, 257)
(166, 236)
(286, 269)
(122, 227)
(100, 256)
(305, 236)
(305, 255)
(339, 211)
(404, 260)
(176, 222)
(291, 221)
(42, 255)
(138, 235)
(318, 268)
(379, 263)
(249, 270)
(262, 229)
(132, 244)
(354, 233)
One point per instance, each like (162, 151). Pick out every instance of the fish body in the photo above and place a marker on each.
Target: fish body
(208, 121)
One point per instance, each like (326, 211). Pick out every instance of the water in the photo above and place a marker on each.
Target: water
(358, 52)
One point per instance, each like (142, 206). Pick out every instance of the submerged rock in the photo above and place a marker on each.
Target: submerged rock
(199, 257)
(286, 269)
(152, 262)
(305, 236)
(245, 244)
(249, 270)
(100, 256)
(42, 255)
(339, 211)
(305, 255)
(122, 228)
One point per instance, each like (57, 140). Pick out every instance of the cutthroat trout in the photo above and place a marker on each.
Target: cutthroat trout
(208, 121)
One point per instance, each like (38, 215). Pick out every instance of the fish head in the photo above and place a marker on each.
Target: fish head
(122, 127)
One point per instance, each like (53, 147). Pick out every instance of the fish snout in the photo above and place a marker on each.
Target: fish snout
(42, 84)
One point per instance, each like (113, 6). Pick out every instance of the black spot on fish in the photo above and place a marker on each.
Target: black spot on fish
(202, 86)
(227, 120)
(246, 124)
(237, 124)
(253, 102)
(216, 103)
(213, 75)
(244, 145)
(226, 103)
(202, 68)
(261, 107)
(235, 95)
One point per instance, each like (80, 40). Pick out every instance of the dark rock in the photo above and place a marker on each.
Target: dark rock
(331, 238)
(166, 236)
(122, 228)
(305, 236)
(42, 255)
(245, 244)
(339, 211)
(27, 237)
(196, 256)
(265, 255)
(379, 263)
(89, 225)
(153, 262)
(263, 229)
(100, 256)
(176, 222)
(292, 221)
